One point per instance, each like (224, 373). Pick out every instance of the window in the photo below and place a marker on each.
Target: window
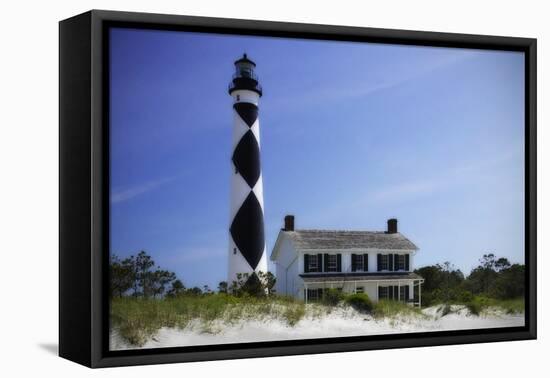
(357, 263)
(399, 262)
(313, 295)
(332, 263)
(403, 293)
(359, 290)
(384, 262)
(383, 292)
(313, 265)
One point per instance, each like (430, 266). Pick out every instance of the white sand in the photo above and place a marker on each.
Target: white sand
(341, 322)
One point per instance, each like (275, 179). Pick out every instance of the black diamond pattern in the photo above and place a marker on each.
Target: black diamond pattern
(247, 230)
(247, 111)
(246, 158)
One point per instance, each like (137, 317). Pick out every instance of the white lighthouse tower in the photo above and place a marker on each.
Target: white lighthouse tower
(247, 250)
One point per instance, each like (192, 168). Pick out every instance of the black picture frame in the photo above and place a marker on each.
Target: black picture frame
(84, 188)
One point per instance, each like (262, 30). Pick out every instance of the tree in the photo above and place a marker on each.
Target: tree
(268, 280)
(159, 280)
(442, 283)
(509, 283)
(194, 291)
(481, 277)
(502, 264)
(136, 274)
(143, 266)
(222, 287)
(257, 284)
(497, 278)
(177, 288)
(121, 275)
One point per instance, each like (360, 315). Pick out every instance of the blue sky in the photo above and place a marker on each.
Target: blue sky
(351, 135)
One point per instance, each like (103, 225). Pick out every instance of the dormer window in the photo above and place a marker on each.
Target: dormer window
(360, 262)
(313, 265)
(399, 262)
(332, 263)
(384, 262)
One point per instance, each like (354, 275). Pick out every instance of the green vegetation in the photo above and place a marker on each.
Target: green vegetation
(145, 299)
(510, 306)
(360, 302)
(332, 297)
(138, 319)
(391, 309)
(495, 282)
(135, 276)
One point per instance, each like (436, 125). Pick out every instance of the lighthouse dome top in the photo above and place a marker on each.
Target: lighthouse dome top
(244, 77)
(244, 59)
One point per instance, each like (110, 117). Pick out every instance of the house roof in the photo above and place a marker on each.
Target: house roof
(339, 277)
(332, 239)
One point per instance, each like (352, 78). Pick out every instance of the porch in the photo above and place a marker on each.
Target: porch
(405, 288)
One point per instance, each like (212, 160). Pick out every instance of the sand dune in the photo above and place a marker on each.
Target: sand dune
(340, 322)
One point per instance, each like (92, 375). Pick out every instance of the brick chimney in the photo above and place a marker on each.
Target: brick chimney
(392, 226)
(289, 223)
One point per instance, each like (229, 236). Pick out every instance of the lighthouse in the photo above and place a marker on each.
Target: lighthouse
(247, 249)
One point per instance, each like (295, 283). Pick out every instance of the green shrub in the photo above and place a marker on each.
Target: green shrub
(465, 296)
(294, 313)
(511, 306)
(360, 302)
(389, 308)
(474, 306)
(136, 320)
(333, 297)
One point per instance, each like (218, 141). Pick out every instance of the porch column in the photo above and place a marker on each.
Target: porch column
(419, 294)
(307, 294)
(398, 291)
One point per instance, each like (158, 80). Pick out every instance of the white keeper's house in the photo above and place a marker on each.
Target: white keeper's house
(378, 263)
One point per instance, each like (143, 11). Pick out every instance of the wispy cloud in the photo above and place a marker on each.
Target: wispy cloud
(417, 188)
(321, 95)
(406, 190)
(124, 194)
(412, 189)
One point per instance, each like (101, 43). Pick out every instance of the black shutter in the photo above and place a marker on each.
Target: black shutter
(353, 267)
(306, 263)
(365, 262)
(378, 258)
(320, 294)
(390, 262)
(407, 262)
(379, 292)
(319, 262)
(325, 266)
(407, 293)
(339, 262)
(396, 292)
(390, 292)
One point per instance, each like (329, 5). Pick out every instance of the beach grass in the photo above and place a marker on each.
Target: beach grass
(508, 306)
(480, 304)
(138, 319)
(392, 309)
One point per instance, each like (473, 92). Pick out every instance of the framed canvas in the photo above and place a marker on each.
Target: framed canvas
(391, 202)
